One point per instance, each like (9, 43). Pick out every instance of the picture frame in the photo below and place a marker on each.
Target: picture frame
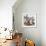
(28, 20)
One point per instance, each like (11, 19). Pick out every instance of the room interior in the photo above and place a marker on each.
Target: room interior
(13, 32)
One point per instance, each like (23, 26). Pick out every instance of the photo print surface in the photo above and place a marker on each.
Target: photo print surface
(28, 20)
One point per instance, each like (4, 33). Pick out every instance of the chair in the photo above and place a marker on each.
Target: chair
(18, 39)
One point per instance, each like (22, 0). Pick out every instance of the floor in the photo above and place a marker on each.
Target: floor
(9, 43)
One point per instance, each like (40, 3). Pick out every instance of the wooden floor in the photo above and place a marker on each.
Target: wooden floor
(9, 43)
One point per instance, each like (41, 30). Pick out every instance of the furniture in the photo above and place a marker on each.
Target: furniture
(18, 39)
(29, 43)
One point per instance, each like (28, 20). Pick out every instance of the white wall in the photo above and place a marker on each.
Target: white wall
(39, 33)
(43, 22)
(30, 6)
(6, 13)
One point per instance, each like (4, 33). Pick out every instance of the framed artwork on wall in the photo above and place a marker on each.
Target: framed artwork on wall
(28, 20)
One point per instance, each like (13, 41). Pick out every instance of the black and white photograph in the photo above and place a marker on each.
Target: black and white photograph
(28, 20)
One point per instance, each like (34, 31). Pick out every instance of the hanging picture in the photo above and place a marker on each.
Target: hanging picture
(28, 20)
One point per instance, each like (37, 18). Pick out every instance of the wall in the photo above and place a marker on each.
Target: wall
(28, 32)
(6, 13)
(43, 22)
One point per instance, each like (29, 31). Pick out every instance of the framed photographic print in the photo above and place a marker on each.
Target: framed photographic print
(28, 20)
